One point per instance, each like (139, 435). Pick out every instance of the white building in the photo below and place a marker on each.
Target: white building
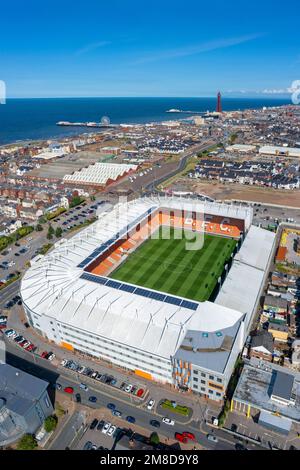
(280, 151)
(174, 340)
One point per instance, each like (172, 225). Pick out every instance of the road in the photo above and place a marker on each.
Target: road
(180, 167)
(44, 369)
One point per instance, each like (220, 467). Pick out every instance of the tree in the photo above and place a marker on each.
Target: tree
(27, 442)
(58, 232)
(154, 439)
(50, 232)
(39, 228)
(50, 423)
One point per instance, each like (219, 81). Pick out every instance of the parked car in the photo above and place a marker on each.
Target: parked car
(88, 445)
(106, 428)
(50, 356)
(150, 404)
(130, 419)
(78, 398)
(111, 406)
(69, 390)
(128, 388)
(83, 387)
(93, 399)
(100, 425)
(44, 354)
(168, 421)
(57, 386)
(212, 438)
(189, 435)
(155, 423)
(140, 392)
(94, 423)
(180, 437)
(117, 413)
(111, 431)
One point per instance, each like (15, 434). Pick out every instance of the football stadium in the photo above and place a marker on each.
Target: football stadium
(163, 286)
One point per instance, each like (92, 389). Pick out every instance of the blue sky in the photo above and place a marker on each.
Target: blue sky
(168, 48)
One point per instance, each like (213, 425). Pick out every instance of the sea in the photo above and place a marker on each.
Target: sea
(35, 119)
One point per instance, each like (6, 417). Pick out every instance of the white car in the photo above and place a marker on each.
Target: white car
(106, 427)
(111, 431)
(63, 362)
(84, 387)
(150, 404)
(128, 388)
(51, 357)
(168, 421)
(81, 369)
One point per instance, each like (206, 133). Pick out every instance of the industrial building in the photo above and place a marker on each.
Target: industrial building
(270, 394)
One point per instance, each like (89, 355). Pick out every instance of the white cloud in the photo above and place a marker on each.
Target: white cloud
(92, 47)
(198, 48)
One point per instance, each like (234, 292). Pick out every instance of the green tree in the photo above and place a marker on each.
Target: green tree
(154, 439)
(50, 423)
(58, 232)
(50, 232)
(39, 228)
(27, 442)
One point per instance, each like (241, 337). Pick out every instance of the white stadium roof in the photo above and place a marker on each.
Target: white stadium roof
(54, 287)
(99, 173)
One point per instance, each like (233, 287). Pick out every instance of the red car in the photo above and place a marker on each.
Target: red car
(189, 435)
(30, 347)
(140, 392)
(180, 437)
(44, 354)
(3, 326)
(69, 390)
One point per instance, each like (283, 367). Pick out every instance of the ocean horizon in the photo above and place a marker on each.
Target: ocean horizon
(29, 119)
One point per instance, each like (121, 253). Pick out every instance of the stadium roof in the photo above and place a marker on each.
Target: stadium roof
(99, 173)
(55, 287)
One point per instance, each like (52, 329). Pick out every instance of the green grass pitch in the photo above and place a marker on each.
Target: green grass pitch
(165, 265)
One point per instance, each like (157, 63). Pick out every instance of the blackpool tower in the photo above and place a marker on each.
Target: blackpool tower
(219, 104)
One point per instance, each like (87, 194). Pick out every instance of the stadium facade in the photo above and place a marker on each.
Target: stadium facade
(70, 299)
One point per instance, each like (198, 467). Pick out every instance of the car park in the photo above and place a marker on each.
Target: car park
(168, 421)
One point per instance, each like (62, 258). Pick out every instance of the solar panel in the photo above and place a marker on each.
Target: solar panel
(127, 288)
(173, 300)
(142, 292)
(189, 304)
(157, 296)
(113, 284)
